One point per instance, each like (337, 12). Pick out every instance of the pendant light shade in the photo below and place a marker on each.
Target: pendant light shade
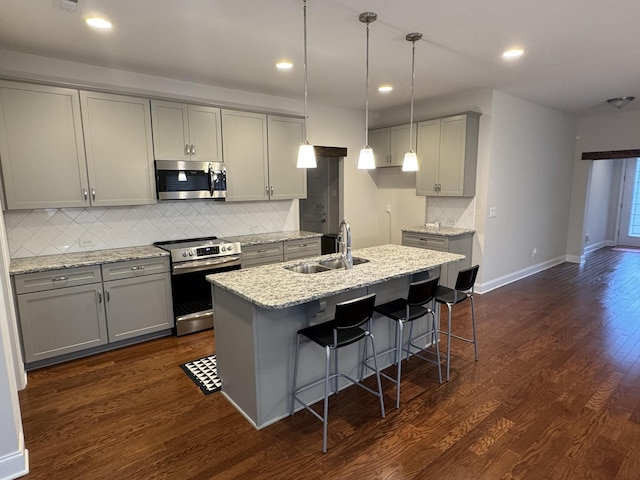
(306, 153)
(366, 160)
(410, 162)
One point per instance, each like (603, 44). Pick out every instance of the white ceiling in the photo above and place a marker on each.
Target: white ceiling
(578, 52)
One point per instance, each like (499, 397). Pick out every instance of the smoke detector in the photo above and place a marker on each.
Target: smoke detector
(70, 6)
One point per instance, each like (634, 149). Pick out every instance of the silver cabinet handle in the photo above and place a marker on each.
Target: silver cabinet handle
(106, 293)
(186, 150)
(271, 189)
(59, 279)
(137, 267)
(302, 245)
(93, 193)
(193, 149)
(267, 189)
(99, 296)
(85, 194)
(389, 158)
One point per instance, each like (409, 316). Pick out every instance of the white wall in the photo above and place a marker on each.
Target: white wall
(616, 130)
(602, 203)
(530, 168)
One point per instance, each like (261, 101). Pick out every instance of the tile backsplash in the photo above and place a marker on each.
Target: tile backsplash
(452, 211)
(66, 230)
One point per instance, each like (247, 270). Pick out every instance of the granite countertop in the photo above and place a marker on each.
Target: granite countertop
(260, 238)
(82, 259)
(274, 287)
(442, 231)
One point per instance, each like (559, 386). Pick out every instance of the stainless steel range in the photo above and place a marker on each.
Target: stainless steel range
(191, 261)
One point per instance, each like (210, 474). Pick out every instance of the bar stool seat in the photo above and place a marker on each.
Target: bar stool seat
(452, 296)
(345, 329)
(419, 303)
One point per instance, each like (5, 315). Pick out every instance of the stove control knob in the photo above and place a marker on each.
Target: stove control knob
(184, 254)
(191, 254)
(224, 249)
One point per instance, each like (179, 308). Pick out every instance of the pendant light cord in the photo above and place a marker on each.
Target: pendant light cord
(413, 77)
(304, 9)
(366, 97)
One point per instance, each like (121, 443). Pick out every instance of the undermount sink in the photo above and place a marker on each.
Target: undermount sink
(324, 265)
(308, 268)
(336, 263)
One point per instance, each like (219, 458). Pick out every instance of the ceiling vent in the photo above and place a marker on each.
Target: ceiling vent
(67, 5)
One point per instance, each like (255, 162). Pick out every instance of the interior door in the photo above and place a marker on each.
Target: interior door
(629, 231)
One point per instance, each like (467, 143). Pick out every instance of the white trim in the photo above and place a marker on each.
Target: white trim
(16, 464)
(519, 275)
(599, 245)
(575, 258)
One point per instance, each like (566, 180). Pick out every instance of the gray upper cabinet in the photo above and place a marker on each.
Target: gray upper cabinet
(390, 144)
(186, 132)
(41, 147)
(286, 181)
(117, 132)
(244, 146)
(447, 150)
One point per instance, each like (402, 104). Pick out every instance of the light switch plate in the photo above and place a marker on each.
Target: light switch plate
(493, 211)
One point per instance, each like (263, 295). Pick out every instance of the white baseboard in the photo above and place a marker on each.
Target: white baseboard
(519, 275)
(16, 464)
(599, 245)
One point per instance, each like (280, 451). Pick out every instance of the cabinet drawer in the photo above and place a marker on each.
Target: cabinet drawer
(301, 248)
(431, 242)
(135, 268)
(60, 278)
(262, 254)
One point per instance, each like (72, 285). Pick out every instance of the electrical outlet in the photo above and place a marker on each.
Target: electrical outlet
(534, 252)
(493, 212)
(86, 241)
(587, 237)
(388, 208)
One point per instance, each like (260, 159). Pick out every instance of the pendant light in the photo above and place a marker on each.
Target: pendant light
(410, 162)
(366, 161)
(306, 153)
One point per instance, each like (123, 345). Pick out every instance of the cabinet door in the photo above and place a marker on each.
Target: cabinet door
(41, 147)
(380, 143)
(452, 149)
(57, 322)
(244, 148)
(428, 152)
(205, 134)
(137, 306)
(400, 144)
(170, 130)
(285, 134)
(119, 149)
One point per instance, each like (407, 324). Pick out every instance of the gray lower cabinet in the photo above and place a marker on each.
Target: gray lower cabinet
(61, 312)
(262, 254)
(137, 297)
(68, 311)
(276, 252)
(294, 249)
(461, 244)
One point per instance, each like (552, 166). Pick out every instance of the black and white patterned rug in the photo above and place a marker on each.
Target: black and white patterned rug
(204, 373)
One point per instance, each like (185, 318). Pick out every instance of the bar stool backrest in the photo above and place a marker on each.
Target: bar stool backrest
(467, 278)
(354, 313)
(422, 292)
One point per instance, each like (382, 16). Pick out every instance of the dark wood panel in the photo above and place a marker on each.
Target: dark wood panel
(555, 394)
(611, 155)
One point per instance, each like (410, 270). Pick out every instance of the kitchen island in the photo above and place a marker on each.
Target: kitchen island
(258, 312)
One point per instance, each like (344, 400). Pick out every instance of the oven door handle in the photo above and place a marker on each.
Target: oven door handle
(198, 265)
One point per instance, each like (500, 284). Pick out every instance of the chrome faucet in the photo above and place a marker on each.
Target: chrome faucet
(345, 240)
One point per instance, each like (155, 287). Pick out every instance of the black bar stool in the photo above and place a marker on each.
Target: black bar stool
(452, 296)
(345, 329)
(419, 303)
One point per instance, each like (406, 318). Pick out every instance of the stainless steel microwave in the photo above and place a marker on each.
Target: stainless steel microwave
(178, 180)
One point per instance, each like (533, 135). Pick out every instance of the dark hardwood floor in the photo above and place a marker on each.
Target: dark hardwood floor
(555, 394)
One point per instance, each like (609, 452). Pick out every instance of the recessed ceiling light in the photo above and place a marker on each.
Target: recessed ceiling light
(385, 88)
(284, 65)
(513, 53)
(97, 22)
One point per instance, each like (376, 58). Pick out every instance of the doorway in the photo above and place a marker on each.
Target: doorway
(629, 229)
(320, 211)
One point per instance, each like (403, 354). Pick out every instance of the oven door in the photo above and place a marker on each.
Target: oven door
(191, 292)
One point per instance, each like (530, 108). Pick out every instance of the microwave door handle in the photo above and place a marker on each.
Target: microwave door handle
(211, 180)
